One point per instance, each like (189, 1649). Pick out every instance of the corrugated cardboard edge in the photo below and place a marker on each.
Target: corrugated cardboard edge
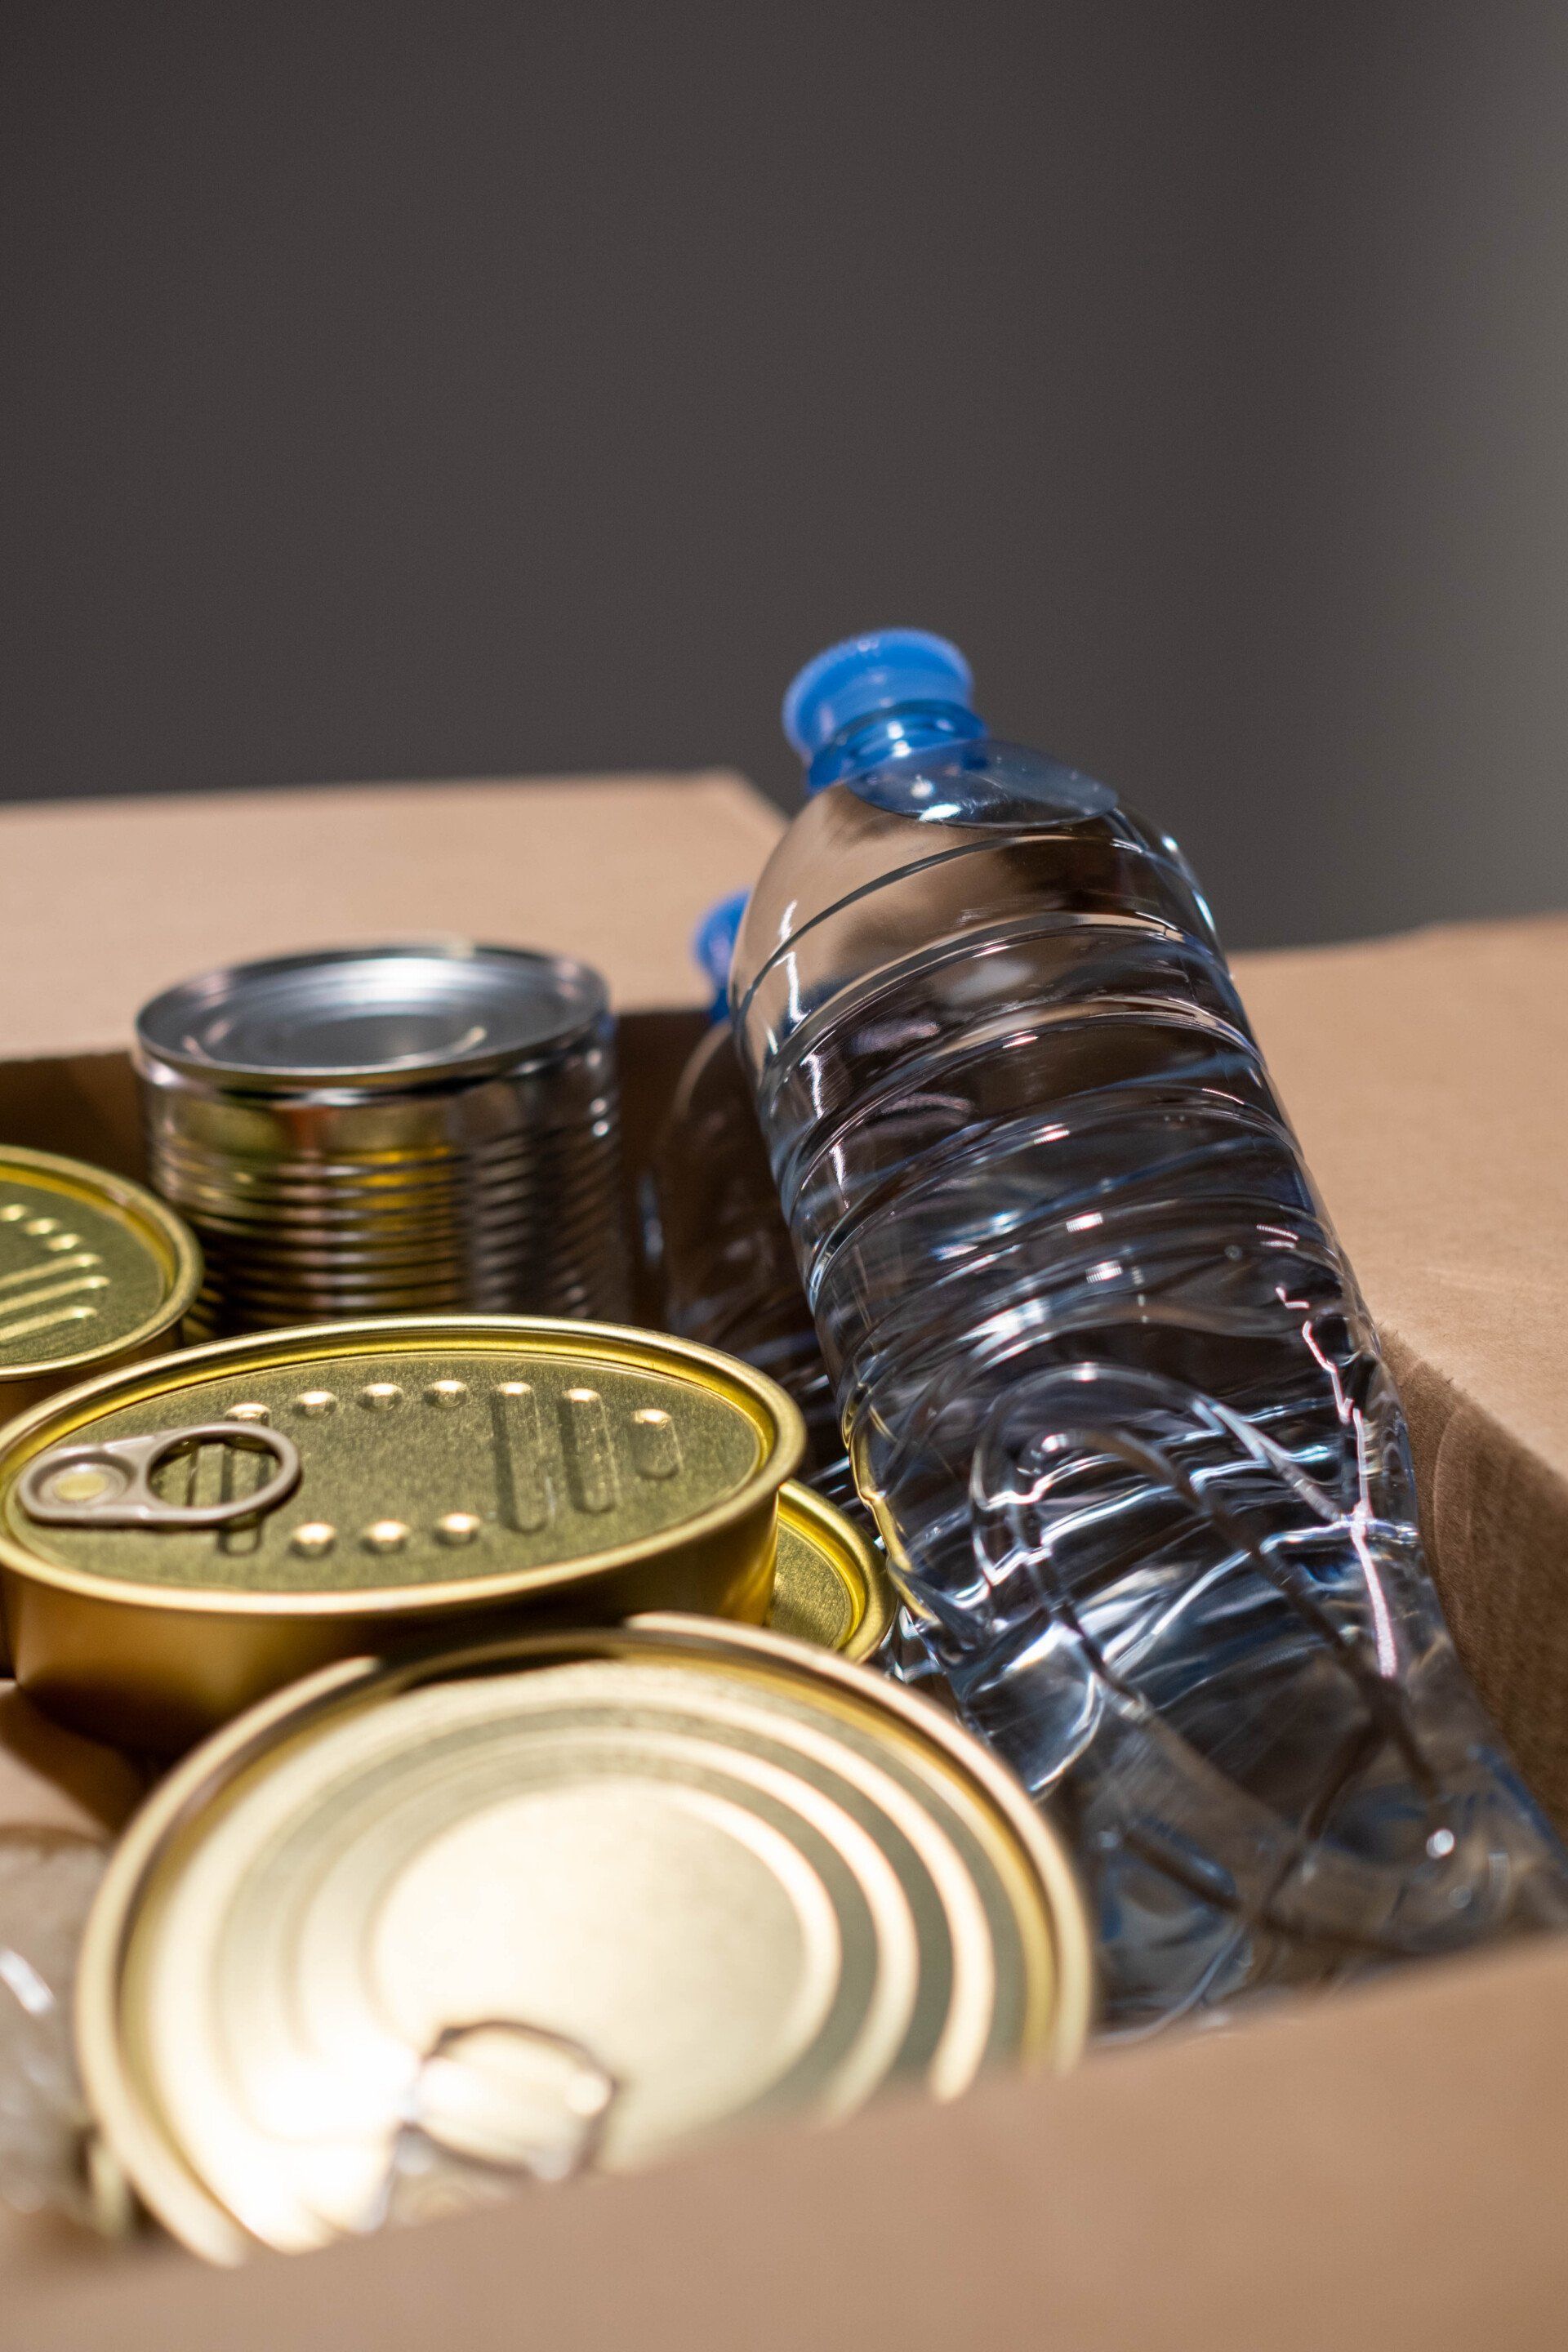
(1494, 1514)
(1421, 1072)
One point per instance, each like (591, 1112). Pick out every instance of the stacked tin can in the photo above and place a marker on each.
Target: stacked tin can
(389, 1130)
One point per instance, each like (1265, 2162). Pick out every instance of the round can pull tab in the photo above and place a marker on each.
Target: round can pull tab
(110, 1484)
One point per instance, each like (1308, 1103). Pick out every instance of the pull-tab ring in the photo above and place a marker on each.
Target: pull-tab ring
(110, 1484)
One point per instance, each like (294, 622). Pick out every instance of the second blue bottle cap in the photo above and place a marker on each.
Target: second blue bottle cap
(874, 672)
(713, 943)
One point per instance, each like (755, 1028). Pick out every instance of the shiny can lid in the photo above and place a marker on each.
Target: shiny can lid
(371, 1017)
(399, 1461)
(830, 1586)
(91, 1268)
(411, 1932)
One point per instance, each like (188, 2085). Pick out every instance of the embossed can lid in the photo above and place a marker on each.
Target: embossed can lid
(400, 1461)
(415, 1932)
(91, 1268)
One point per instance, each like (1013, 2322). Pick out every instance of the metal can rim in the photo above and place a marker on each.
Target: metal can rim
(824, 1525)
(170, 1237)
(355, 1083)
(775, 1416)
(151, 2154)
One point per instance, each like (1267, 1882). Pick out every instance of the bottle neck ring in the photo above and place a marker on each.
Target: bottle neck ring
(906, 730)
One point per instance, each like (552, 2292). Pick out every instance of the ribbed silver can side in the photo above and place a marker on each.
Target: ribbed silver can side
(498, 1193)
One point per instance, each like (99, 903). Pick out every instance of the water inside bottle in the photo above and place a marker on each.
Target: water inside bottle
(1107, 1380)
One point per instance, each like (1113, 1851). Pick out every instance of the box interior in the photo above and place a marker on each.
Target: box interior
(1381, 2169)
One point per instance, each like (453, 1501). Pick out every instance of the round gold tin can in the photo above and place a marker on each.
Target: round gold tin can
(94, 1272)
(831, 1587)
(178, 1540)
(416, 1930)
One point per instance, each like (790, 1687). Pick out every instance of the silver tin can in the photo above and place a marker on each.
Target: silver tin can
(390, 1131)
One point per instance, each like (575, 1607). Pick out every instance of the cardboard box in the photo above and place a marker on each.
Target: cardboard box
(1380, 2170)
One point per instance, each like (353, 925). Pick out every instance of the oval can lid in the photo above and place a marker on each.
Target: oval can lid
(412, 1932)
(91, 1266)
(397, 1463)
(831, 1587)
(377, 1017)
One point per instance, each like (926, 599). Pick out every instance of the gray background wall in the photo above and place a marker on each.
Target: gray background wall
(398, 391)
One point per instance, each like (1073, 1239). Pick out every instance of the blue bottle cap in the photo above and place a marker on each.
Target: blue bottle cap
(874, 672)
(713, 943)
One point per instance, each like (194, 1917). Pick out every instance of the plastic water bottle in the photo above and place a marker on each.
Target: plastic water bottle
(1104, 1373)
(713, 1222)
(729, 1275)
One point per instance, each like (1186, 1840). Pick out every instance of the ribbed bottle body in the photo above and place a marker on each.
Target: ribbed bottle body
(1108, 1382)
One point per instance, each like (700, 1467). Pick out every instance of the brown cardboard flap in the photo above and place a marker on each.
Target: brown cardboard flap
(1384, 2172)
(1424, 1075)
(103, 903)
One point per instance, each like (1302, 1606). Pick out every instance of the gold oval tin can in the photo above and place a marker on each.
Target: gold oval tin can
(831, 1586)
(94, 1272)
(178, 1540)
(416, 1930)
